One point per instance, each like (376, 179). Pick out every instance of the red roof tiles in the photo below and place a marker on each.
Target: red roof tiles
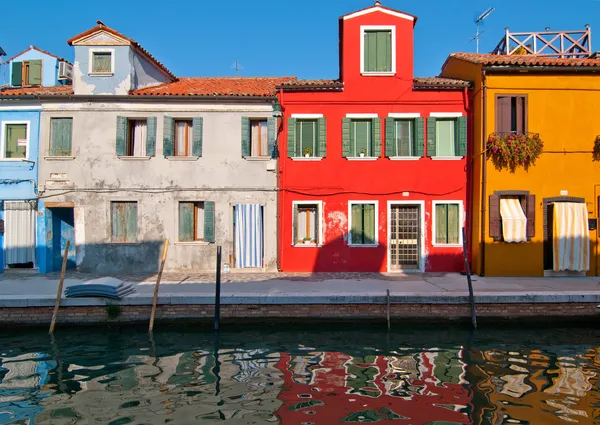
(64, 90)
(312, 85)
(221, 86)
(524, 60)
(440, 83)
(135, 44)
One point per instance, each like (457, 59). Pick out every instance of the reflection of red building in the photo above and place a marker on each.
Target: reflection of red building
(372, 166)
(328, 388)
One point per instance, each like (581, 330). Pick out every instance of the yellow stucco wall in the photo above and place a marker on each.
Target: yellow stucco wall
(565, 111)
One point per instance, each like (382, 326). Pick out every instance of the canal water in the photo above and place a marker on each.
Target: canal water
(310, 375)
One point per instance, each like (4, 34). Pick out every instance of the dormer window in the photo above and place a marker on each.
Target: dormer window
(102, 62)
(26, 73)
(378, 50)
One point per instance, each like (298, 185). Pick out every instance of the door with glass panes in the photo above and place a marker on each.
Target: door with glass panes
(405, 237)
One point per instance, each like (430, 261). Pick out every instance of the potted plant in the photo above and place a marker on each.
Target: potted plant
(362, 153)
(307, 241)
(512, 150)
(307, 152)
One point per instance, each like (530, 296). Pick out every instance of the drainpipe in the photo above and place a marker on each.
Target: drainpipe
(483, 172)
(280, 185)
(469, 172)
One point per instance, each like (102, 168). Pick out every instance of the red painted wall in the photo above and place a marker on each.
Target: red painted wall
(336, 180)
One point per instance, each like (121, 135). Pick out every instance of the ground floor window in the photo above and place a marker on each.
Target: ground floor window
(363, 223)
(447, 222)
(196, 221)
(306, 223)
(512, 216)
(124, 221)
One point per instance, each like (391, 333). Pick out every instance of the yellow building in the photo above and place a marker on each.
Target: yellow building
(550, 208)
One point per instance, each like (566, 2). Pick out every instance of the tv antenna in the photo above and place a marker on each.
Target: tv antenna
(237, 67)
(478, 21)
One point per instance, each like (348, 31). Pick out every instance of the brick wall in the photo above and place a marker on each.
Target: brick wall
(129, 314)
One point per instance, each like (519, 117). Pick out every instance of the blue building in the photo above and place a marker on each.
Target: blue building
(32, 70)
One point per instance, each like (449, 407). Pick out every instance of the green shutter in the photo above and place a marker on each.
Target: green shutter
(462, 137)
(17, 74)
(376, 143)
(121, 136)
(384, 51)
(370, 44)
(186, 222)
(197, 125)
(151, 136)
(356, 226)
(272, 131)
(346, 142)
(389, 137)
(131, 221)
(295, 226)
(419, 137)
(245, 137)
(168, 136)
(291, 134)
(431, 136)
(35, 73)
(61, 136)
(117, 222)
(209, 221)
(322, 144)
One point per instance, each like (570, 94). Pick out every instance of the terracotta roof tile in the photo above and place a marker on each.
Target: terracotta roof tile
(440, 83)
(218, 86)
(524, 60)
(135, 44)
(39, 50)
(63, 90)
(312, 85)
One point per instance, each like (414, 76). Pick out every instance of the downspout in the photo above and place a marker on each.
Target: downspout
(280, 185)
(483, 172)
(469, 173)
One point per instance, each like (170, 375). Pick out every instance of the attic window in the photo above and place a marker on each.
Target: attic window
(378, 50)
(101, 62)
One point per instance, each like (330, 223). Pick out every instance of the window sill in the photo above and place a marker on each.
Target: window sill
(196, 243)
(124, 243)
(307, 245)
(363, 246)
(182, 158)
(377, 74)
(362, 158)
(134, 158)
(446, 158)
(15, 160)
(304, 158)
(101, 74)
(405, 158)
(441, 245)
(258, 158)
(59, 158)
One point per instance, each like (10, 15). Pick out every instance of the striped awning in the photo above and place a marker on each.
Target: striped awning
(514, 221)
(571, 238)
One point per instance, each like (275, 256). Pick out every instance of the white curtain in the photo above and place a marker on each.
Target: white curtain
(139, 138)
(514, 221)
(200, 222)
(183, 132)
(260, 139)
(19, 236)
(444, 135)
(571, 237)
(248, 237)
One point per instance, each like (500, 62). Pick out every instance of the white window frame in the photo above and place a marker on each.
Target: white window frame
(349, 230)
(320, 234)
(461, 222)
(447, 115)
(365, 28)
(3, 139)
(91, 62)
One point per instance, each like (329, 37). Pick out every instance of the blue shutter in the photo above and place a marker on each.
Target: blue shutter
(169, 136)
(245, 137)
(209, 221)
(151, 136)
(121, 136)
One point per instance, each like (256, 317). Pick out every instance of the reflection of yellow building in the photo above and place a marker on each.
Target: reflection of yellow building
(526, 95)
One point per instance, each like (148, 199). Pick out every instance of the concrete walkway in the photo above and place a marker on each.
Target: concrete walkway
(18, 289)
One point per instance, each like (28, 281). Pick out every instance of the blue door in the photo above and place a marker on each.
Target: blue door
(63, 230)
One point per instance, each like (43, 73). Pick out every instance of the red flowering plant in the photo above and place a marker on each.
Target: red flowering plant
(596, 151)
(513, 150)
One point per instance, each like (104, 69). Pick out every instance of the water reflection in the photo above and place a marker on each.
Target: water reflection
(298, 377)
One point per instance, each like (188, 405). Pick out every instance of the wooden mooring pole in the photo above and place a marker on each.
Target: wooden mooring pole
(218, 291)
(60, 287)
(388, 308)
(160, 272)
(468, 271)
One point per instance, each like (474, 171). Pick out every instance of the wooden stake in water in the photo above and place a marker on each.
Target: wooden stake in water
(218, 291)
(160, 272)
(60, 287)
(468, 270)
(388, 308)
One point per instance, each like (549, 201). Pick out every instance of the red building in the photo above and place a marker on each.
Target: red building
(372, 165)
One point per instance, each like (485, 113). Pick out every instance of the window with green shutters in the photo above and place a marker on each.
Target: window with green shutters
(361, 137)
(196, 221)
(124, 224)
(446, 137)
(404, 137)
(61, 136)
(136, 136)
(363, 224)
(447, 221)
(26, 73)
(378, 47)
(307, 138)
(16, 141)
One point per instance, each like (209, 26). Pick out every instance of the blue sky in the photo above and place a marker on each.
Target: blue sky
(285, 37)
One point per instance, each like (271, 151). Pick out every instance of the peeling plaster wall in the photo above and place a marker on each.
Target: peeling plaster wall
(146, 74)
(120, 82)
(157, 184)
